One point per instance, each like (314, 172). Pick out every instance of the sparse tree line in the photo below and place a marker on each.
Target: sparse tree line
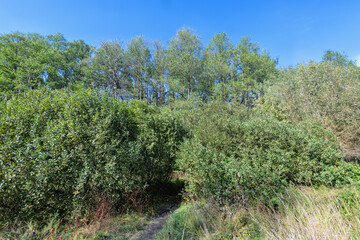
(138, 69)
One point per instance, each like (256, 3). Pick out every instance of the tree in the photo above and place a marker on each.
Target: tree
(218, 66)
(75, 54)
(28, 61)
(253, 68)
(22, 60)
(138, 58)
(184, 59)
(107, 69)
(337, 58)
(159, 73)
(65, 61)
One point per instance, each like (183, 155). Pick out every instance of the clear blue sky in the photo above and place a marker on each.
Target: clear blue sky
(295, 31)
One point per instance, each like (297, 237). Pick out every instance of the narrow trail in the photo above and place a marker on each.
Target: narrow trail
(156, 223)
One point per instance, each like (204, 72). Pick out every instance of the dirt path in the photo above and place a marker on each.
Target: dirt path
(157, 223)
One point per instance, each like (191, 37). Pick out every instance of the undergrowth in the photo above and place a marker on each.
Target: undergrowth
(302, 213)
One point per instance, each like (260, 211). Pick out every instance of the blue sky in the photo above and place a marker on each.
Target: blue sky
(295, 31)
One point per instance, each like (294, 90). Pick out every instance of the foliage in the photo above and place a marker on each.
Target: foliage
(184, 60)
(239, 156)
(325, 92)
(29, 61)
(121, 227)
(138, 60)
(236, 73)
(138, 69)
(63, 153)
(338, 59)
(349, 203)
(218, 66)
(59, 149)
(255, 67)
(107, 68)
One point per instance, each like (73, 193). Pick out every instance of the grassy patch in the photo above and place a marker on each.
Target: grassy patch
(308, 213)
(301, 213)
(120, 227)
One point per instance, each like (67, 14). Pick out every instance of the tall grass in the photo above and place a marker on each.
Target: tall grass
(308, 213)
(301, 213)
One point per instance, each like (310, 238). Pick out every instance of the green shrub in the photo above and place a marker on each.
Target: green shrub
(241, 157)
(325, 92)
(61, 150)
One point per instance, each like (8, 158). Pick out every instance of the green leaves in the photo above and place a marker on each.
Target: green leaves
(59, 149)
(238, 154)
(184, 61)
(338, 59)
(326, 92)
(29, 61)
(138, 69)
(255, 67)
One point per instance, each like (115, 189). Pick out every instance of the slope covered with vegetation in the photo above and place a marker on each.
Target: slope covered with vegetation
(85, 131)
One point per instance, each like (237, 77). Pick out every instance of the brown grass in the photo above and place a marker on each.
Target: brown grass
(310, 214)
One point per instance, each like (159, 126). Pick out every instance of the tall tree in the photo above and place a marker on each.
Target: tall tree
(75, 54)
(138, 58)
(218, 67)
(32, 60)
(159, 73)
(107, 69)
(338, 58)
(65, 60)
(184, 59)
(22, 60)
(253, 68)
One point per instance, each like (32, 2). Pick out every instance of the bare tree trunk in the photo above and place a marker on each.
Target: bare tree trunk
(188, 90)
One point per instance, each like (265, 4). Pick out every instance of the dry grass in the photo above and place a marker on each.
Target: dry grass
(302, 213)
(310, 214)
(102, 223)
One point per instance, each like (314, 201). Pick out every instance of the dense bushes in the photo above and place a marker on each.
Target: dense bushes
(325, 92)
(62, 152)
(59, 150)
(236, 155)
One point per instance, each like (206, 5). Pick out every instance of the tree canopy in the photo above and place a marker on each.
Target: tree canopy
(138, 69)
